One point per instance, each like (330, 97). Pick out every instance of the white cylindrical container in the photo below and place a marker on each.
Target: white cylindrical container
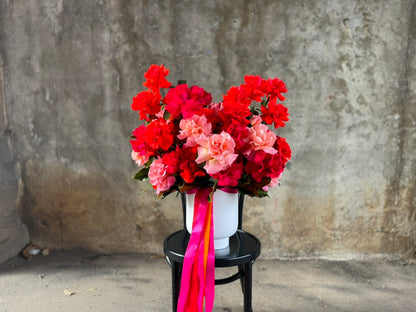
(225, 210)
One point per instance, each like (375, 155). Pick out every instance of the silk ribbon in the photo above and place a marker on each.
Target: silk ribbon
(198, 273)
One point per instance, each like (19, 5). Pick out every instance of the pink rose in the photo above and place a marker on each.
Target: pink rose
(260, 138)
(159, 177)
(139, 159)
(194, 129)
(218, 152)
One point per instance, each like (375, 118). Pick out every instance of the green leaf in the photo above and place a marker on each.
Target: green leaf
(261, 193)
(181, 82)
(166, 115)
(142, 174)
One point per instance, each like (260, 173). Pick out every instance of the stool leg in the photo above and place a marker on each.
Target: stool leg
(241, 270)
(248, 287)
(176, 269)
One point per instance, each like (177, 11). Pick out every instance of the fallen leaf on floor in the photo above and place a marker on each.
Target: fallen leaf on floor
(91, 289)
(68, 292)
(46, 252)
(157, 256)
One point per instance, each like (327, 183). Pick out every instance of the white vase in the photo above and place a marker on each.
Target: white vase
(225, 210)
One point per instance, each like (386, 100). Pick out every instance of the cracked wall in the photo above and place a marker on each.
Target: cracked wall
(72, 67)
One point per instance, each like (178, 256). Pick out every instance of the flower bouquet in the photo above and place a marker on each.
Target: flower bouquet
(188, 141)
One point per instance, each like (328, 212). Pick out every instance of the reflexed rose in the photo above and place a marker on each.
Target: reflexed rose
(261, 138)
(194, 129)
(217, 151)
(159, 177)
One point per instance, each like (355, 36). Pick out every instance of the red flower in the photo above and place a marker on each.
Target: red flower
(147, 103)
(159, 134)
(255, 86)
(283, 148)
(231, 175)
(262, 165)
(237, 95)
(240, 133)
(276, 165)
(137, 141)
(275, 89)
(213, 116)
(236, 105)
(189, 170)
(171, 161)
(185, 101)
(276, 113)
(155, 77)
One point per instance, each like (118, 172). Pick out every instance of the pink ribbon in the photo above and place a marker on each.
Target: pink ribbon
(198, 273)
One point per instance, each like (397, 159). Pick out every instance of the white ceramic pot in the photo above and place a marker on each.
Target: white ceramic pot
(225, 212)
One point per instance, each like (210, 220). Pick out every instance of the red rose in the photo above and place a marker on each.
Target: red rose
(239, 133)
(283, 148)
(275, 165)
(231, 175)
(261, 164)
(185, 101)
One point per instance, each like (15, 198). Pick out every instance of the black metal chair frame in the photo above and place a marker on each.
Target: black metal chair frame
(244, 250)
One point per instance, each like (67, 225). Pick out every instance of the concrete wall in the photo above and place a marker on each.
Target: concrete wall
(72, 67)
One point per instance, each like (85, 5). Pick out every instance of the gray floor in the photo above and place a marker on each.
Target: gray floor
(77, 281)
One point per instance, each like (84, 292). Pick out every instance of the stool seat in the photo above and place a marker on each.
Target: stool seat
(244, 247)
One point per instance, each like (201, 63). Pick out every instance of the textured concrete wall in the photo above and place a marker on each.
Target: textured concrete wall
(72, 67)
(13, 233)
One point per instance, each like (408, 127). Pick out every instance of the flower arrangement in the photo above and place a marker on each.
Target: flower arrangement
(188, 141)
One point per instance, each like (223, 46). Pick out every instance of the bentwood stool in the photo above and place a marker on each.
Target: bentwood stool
(243, 251)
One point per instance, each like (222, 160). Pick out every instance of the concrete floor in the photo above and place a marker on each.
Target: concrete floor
(79, 281)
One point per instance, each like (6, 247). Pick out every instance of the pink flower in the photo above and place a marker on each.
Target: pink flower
(194, 129)
(186, 101)
(218, 152)
(255, 120)
(139, 159)
(159, 177)
(230, 176)
(260, 137)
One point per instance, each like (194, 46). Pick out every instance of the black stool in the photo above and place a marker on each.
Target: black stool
(243, 251)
